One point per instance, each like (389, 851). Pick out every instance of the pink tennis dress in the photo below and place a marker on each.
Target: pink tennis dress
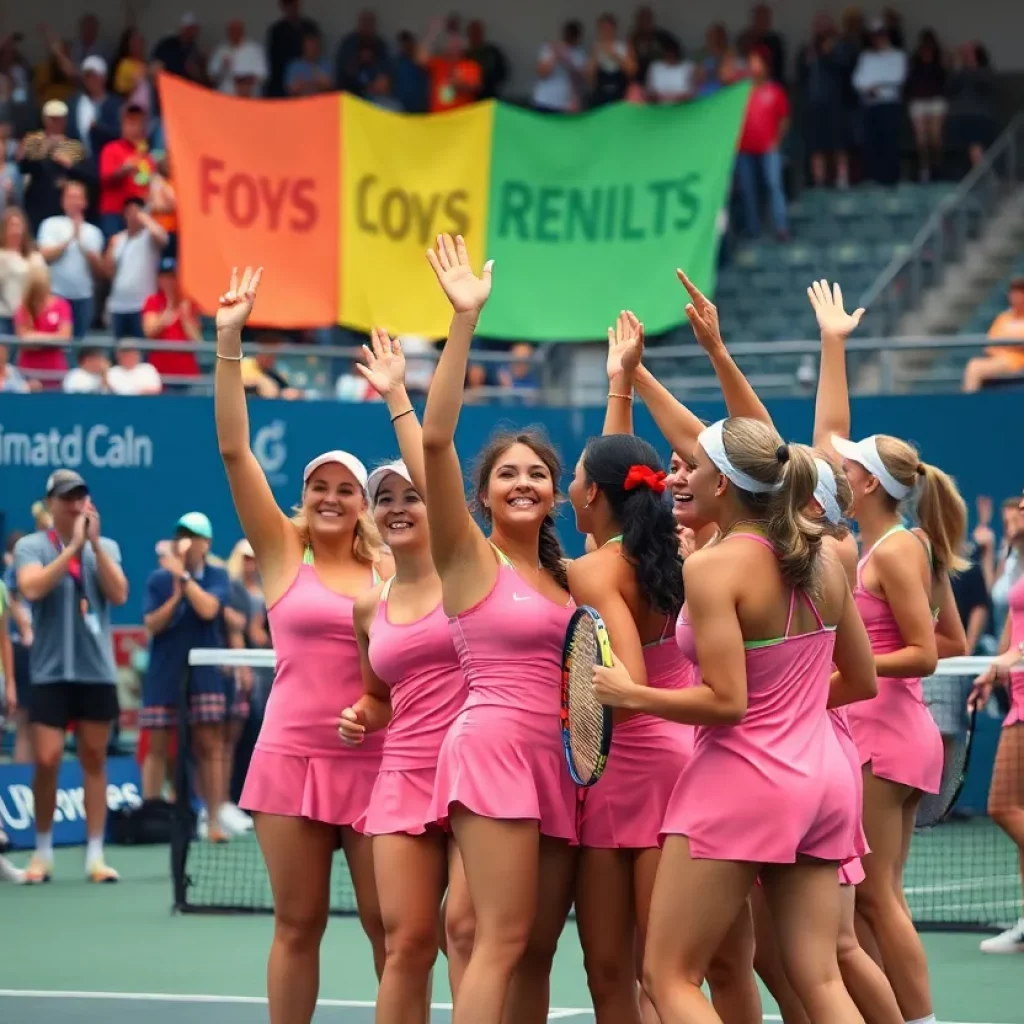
(1016, 712)
(503, 756)
(419, 663)
(626, 807)
(894, 731)
(300, 768)
(777, 785)
(851, 872)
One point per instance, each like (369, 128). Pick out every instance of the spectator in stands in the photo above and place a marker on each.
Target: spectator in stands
(670, 79)
(762, 35)
(520, 372)
(43, 324)
(1010, 564)
(87, 44)
(1000, 361)
(129, 74)
(183, 609)
(718, 61)
(972, 124)
(561, 70)
(130, 375)
(261, 377)
(131, 262)
(878, 79)
(362, 55)
(181, 54)
(455, 80)
(366, 69)
(247, 78)
(72, 576)
(126, 170)
(823, 72)
(926, 94)
(94, 115)
(491, 58)
(648, 41)
(285, 41)
(73, 248)
(310, 72)
(17, 253)
(411, 85)
(49, 159)
(760, 154)
(53, 78)
(168, 316)
(21, 642)
(234, 51)
(163, 205)
(11, 179)
(612, 64)
(89, 377)
(11, 380)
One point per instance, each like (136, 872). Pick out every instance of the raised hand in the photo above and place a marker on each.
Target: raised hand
(702, 314)
(828, 308)
(236, 303)
(450, 261)
(625, 345)
(385, 363)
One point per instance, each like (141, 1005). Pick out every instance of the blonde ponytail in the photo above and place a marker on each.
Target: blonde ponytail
(942, 514)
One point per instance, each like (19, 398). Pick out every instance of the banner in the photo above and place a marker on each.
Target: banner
(339, 200)
(17, 807)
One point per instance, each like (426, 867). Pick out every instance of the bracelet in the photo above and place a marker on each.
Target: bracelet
(615, 394)
(231, 359)
(399, 415)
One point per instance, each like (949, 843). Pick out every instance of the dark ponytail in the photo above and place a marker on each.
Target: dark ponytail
(630, 475)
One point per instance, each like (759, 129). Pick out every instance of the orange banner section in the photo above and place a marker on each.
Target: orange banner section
(274, 203)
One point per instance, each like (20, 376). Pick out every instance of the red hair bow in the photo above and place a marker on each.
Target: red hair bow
(644, 476)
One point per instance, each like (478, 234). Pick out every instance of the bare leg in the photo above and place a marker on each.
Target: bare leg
(864, 979)
(93, 738)
(359, 857)
(768, 962)
(459, 921)
(208, 741)
(730, 974)
(156, 763)
(645, 871)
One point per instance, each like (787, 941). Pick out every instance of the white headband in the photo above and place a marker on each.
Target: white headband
(865, 453)
(711, 439)
(826, 492)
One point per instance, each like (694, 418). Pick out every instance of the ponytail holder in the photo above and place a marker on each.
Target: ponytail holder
(782, 453)
(644, 476)
(920, 469)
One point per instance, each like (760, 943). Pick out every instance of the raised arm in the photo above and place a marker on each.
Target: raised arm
(263, 522)
(460, 551)
(627, 332)
(832, 404)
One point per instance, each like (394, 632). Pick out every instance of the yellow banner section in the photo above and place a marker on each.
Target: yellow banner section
(405, 179)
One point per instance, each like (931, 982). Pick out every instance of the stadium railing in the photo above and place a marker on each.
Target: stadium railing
(962, 874)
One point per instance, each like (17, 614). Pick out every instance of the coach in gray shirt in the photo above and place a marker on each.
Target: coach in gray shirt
(71, 576)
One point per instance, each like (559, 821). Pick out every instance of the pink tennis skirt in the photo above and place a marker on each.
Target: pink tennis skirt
(333, 790)
(400, 803)
(501, 763)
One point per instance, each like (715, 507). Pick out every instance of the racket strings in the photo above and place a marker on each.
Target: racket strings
(586, 715)
(935, 807)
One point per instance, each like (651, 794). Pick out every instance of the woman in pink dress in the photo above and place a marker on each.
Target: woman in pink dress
(307, 791)
(414, 687)
(901, 579)
(769, 791)
(501, 783)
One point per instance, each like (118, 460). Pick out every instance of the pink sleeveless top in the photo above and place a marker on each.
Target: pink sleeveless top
(667, 669)
(418, 661)
(1016, 713)
(510, 647)
(317, 675)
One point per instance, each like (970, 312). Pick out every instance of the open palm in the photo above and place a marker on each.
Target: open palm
(385, 363)
(236, 303)
(828, 308)
(450, 261)
(625, 345)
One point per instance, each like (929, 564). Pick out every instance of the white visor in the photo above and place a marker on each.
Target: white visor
(712, 440)
(340, 458)
(865, 453)
(826, 493)
(398, 467)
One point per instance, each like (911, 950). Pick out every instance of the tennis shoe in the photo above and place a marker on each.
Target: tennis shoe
(234, 820)
(38, 871)
(9, 873)
(1011, 941)
(100, 873)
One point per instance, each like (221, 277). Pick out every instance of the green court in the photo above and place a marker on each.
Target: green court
(80, 954)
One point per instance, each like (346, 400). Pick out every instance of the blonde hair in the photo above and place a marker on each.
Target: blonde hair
(37, 288)
(844, 497)
(367, 543)
(757, 450)
(941, 511)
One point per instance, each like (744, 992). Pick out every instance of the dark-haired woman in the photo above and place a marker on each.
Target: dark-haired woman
(501, 781)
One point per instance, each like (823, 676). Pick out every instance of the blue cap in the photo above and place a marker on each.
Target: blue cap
(197, 524)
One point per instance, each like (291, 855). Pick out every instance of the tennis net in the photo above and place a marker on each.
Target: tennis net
(962, 874)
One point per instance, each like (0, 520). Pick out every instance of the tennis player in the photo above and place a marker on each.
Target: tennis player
(900, 580)
(768, 789)
(414, 686)
(502, 782)
(308, 792)
(1006, 790)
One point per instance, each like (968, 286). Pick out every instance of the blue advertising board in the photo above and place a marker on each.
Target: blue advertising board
(17, 808)
(149, 460)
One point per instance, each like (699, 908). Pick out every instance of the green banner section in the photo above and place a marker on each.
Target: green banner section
(592, 214)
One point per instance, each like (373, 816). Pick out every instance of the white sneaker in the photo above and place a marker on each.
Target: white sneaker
(1011, 941)
(234, 819)
(9, 873)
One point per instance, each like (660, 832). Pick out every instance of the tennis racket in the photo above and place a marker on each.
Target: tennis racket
(586, 723)
(935, 807)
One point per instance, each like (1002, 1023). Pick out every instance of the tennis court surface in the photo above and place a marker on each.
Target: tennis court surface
(80, 954)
